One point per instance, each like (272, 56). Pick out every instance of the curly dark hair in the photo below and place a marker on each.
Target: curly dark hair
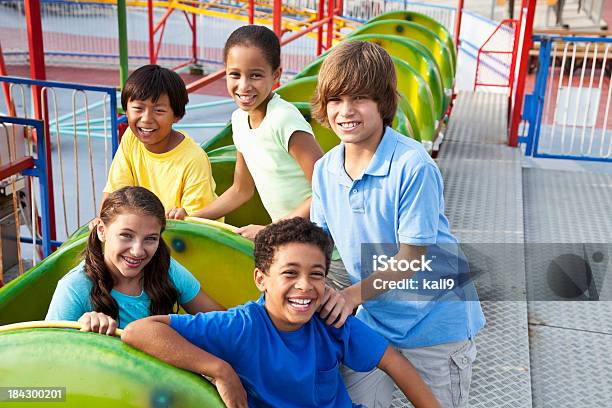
(288, 231)
(156, 279)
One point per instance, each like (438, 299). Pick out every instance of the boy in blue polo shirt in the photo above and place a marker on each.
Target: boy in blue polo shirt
(275, 348)
(379, 189)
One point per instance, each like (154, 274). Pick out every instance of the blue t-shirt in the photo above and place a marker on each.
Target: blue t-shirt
(398, 200)
(284, 369)
(72, 295)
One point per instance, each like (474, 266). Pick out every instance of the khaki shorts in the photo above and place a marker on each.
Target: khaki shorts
(446, 368)
(337, 277)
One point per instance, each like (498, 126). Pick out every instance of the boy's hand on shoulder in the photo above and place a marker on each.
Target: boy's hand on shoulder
(98, 323)
(336, 307)
(250, 231)
(230, 388)
(176, 214)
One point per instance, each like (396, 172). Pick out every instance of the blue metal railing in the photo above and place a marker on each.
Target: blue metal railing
(112, 93)
(534, 109)
(38, 170)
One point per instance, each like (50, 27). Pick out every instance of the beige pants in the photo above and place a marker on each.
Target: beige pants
(446, 368)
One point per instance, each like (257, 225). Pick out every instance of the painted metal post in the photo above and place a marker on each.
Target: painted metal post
(251, 11)
(511, 76)
(36, 51)
(152, 58)
(46, 194)
(9, 103)
(535, 116)
(527, 14)
(276, 18)
(330, 24)
(123, 41)
(194, 38)
(458, 18)
(320, 15)
(114, 124)
(38, 168)
(38, 71)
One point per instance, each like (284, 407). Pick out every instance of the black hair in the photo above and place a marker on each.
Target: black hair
(283, 232)
(151, 82)
(256, 36)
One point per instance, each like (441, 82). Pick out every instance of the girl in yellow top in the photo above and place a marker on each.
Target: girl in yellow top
(152, 154)
(276, 149)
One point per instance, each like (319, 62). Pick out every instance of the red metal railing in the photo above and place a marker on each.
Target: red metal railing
(155, 46)
(511, 51)
(7, 97)
(516, 101)
(38, 72)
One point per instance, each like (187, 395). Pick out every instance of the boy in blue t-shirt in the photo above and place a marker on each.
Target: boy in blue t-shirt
(275, 348)
(380, 196)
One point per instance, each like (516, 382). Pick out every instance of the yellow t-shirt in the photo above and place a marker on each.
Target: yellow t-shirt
(181, 177)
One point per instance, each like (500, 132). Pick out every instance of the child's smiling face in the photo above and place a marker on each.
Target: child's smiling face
(151, 122)
(130, 241)
(294, 285)
(250, 77)
(355, 119)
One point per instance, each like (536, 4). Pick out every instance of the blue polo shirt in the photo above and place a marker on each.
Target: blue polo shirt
(284, 369)
(398, 199)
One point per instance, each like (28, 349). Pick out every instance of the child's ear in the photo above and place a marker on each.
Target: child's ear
(101, 231)
(277, 74)
(260, 279)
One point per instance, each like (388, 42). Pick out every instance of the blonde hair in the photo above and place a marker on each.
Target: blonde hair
(357, 68)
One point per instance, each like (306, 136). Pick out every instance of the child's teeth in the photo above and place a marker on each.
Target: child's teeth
(132, 261)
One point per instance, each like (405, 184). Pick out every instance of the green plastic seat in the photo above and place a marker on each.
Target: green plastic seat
(96, 371)
(223, 164)
(412, 52)
(302, 90)
(416, 32)
(217, 258)
(425, 21)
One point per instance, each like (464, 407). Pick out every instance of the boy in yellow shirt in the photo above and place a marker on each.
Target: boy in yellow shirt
(152, 154)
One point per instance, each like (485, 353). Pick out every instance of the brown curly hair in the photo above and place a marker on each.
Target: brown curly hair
(288, 231)
(156, 280)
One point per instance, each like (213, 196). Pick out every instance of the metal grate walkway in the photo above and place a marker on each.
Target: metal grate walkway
(484, 204)
(506, 214)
